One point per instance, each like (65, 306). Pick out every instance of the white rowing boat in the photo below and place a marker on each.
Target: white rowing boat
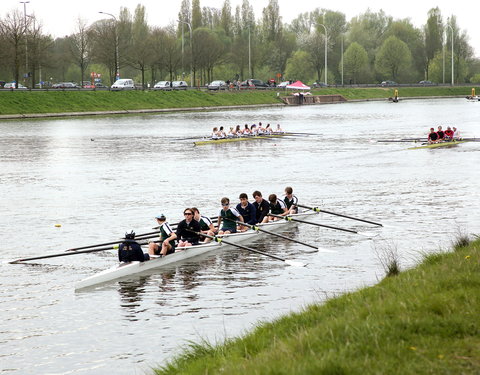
(132, 268)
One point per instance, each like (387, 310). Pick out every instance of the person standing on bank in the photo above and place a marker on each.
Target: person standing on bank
(130, 250)
(167, 238)
(185, 230)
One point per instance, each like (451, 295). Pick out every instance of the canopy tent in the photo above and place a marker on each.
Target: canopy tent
(299, 85)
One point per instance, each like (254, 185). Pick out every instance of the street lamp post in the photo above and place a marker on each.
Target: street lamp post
(26, 40)
(342, 57)
(249, 54)
(191, 50)
(451, 28)
(117, 62)
(326, 52)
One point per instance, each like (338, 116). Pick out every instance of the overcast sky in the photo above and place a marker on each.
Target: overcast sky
(58, 16)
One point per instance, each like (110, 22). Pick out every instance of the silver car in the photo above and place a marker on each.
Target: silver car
(162, 85)
(217, 85)
(179, 85)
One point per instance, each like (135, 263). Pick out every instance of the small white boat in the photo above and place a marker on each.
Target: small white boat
(474, 98)
(128, 269)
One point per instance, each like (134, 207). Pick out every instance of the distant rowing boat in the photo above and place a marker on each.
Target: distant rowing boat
(128, 269)
(210, 141)
(438, 145)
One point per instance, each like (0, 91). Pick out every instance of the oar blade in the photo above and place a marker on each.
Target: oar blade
(368, 234)
(295, 264)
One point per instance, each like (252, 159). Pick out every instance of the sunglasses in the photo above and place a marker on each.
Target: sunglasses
(187, 213)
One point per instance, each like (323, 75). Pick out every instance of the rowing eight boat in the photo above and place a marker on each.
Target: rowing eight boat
(236, 139)
(438, 145)
(128, 269)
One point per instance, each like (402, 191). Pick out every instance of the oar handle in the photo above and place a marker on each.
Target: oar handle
(316, 209)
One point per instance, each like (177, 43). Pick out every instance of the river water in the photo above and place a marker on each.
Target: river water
(101, 177)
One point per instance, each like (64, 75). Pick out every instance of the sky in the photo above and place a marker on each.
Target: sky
(58, 17)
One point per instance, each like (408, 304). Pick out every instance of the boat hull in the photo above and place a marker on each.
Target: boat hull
(438, 145)
(132, 268)
(237, 139)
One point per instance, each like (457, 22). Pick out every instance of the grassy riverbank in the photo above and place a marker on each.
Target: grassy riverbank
(422, 321)
(26, 102)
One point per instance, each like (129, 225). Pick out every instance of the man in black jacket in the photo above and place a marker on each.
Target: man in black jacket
(185, 230)
(130, 251)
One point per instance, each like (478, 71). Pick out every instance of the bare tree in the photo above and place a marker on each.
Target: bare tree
(13, 31)
(79, 47)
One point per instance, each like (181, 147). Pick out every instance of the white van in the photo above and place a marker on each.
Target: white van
(123, 84)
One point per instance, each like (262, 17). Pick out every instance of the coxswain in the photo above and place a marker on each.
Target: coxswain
(432, 136)
(279, 129)
(456, 133)
(291, 201)
(449, 134)
(206, 225)
(229, 216)
(247, 210)
(261, 206)
(440, 133)
(277, 207)
(167, 238)
(188, 229)
(130, 250)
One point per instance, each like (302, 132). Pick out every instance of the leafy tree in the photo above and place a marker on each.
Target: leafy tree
(299, 67)
(433, 31)
(102, 34)
(393, 57)
(355, 60)
(79, 47)
(12, 32)
(315, 45)
(226, 19)
(196, 15)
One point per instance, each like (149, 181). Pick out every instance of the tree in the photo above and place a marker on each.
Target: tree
(196, 14)
(103, 37)
(226, 19)
(393, 57)
(12, 31)
(79, 47)
(208, 50)
(433, 37)
(355, 60)
(299, 67)
(315, 45)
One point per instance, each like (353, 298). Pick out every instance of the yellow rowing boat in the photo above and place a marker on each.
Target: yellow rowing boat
(438, 145)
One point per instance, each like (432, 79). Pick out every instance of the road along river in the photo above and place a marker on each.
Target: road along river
(101, 177)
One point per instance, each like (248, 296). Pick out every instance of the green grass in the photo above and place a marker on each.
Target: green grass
(87, 101)
(422, 321)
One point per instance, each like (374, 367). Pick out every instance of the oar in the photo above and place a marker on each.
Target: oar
(316, 209)
(397, 140)
(220, 240)
(258, 229)
(289, 218)
(213, 218)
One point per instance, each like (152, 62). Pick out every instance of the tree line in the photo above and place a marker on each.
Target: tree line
(233, 44)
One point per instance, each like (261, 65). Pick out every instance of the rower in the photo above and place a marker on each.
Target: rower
(130, 251)
(432, 136)
(449, 134)
(221, 133)
(206, 225)
(261, 129)
(238, 131)
(246, 130)
(440, 133)
(247, 210)
(187, 230)
(261, 206)
(291, 201)
(253, 129)
(167, 238)
(230, 213)
(277, 207)
(215, 133)
(231, 133)
(268, 129)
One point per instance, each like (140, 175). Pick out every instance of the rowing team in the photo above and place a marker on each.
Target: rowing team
(247, 131)
(441, 136)
(189, 231)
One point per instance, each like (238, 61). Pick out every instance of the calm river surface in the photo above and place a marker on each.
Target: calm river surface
(101, 177)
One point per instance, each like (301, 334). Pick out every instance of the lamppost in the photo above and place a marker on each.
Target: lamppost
(451, 28)
(249, 54)
(117, 62)
(191, 50)
(341, 48)
(326, 52)
(26, 40)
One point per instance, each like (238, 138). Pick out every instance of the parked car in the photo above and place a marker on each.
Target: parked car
(253, 83)
(426, 83)
(319, 84)
(179, 85)
(283, 84)
(389, 83)
(217, 85)
(88, 85)
(2, 83)
(123, 84)
(65, 85)
(163, 85)
(12, 85)
(99, 85)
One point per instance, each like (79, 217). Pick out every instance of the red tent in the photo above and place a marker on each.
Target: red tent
(299, 85)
